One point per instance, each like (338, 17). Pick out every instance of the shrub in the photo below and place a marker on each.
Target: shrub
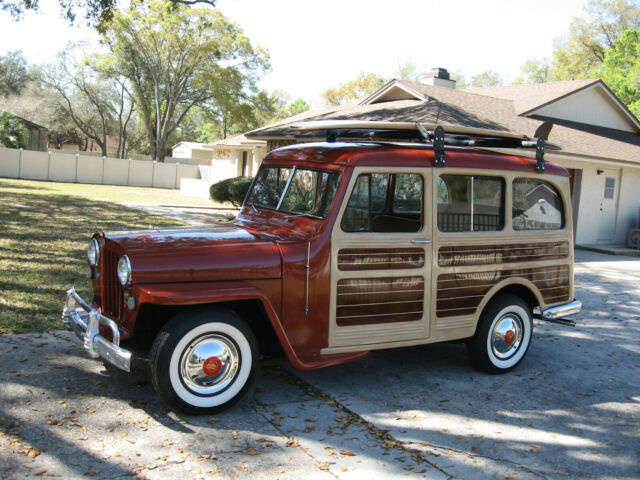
(13, 133)
(232, 190)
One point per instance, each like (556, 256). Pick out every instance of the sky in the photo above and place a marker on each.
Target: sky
(318, 44)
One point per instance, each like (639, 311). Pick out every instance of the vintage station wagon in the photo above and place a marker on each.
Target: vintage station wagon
(405, 234)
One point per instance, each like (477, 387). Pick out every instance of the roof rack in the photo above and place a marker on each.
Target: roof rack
(437, 135)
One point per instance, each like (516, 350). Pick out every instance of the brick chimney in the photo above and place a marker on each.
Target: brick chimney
(439, 77)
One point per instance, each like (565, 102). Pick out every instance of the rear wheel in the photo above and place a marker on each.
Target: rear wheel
(503, 335)
(203, 362)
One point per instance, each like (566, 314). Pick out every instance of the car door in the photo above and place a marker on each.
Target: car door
(381, 260)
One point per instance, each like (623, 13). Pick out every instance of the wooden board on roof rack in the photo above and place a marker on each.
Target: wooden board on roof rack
(438, 135)
(378, 125)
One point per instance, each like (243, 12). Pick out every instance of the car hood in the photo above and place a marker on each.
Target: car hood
(196, 254)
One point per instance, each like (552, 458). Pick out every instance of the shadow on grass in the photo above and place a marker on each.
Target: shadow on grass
(42, 242)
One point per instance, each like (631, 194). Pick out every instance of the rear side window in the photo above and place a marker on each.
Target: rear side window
(537, 205)
(385, 202)
(470, 203)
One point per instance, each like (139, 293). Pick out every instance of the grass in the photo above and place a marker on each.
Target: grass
(44, 232)
(115, 193)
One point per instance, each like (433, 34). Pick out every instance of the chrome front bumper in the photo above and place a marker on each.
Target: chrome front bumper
(85, 322)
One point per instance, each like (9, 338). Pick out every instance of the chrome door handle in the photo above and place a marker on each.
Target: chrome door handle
(420, 240)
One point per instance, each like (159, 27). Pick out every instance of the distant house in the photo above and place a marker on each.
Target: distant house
(599, 136)
(38, 136)
(197, 151)
(239, 155)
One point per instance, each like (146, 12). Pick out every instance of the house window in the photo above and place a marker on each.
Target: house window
(537, 205)
(470, 203)
(609, 187)
(383, 202)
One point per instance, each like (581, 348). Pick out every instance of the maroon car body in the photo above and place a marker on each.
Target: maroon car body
(269, 268)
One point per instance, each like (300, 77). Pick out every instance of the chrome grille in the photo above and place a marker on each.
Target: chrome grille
(112, 291)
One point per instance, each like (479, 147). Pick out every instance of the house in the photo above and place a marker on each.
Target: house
(238, 156)
(598, 135)
(194, 150)
(37, 136)
(232, 157)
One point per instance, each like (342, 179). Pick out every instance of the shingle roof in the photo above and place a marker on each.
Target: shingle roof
(476, 108)
(236, 141)
(527, 97)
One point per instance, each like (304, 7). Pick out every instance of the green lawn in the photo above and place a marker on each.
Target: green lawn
(115, 193)
(44, 232)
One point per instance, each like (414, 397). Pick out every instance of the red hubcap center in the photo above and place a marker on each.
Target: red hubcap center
(509, 337)
(212, 366)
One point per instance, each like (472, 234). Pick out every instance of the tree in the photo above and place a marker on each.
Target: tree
(488, 78)
(582, 53)
(534, 71)
(177, 58)
(14, 74)
(622, 69)
(364, 85)
(96, 12)
(263, 108)
(13, 133)
(95, 98)
(410, 71)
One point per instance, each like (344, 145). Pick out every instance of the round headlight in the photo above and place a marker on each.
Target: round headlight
(124, 271)
(93, 252)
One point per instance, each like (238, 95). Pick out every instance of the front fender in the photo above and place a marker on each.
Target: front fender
(184, 294)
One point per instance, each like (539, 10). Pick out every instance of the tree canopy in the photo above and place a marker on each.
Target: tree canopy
(581, 54)
(365, 84)
(97, 13)
(178, 57)
(622, 69)
(14, 73)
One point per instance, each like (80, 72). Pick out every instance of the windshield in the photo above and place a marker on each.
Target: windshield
(295, 190)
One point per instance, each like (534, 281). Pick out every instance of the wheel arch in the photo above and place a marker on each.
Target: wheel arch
(159, 303)
(520, 287)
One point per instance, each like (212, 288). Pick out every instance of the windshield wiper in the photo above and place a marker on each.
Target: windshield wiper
(255, 209)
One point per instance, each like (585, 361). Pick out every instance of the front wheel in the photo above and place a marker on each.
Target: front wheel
(503, 335)
(203, 362)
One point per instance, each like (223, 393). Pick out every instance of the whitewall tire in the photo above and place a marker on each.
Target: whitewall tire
(503, 335)
(204, 361)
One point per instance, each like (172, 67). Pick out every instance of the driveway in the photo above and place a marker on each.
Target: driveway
(571, 410)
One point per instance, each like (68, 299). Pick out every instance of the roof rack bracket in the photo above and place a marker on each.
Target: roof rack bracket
(438, 146)
(540, 155)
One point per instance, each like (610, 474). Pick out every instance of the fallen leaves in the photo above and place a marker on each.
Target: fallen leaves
(251, 451)
(33, 453)
(292, 442)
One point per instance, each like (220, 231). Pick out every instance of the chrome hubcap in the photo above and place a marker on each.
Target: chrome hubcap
(506, 336)
(209, 365)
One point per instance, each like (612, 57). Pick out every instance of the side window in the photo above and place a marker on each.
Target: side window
(470, 203)
(537, 205)
(385, 203)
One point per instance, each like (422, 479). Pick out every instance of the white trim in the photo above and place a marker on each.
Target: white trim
(387, 88)
(603, 88)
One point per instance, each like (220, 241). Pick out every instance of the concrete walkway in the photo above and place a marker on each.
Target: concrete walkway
(571, 410)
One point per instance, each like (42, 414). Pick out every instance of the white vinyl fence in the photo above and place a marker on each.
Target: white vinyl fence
(62, 167)
(134, 156)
